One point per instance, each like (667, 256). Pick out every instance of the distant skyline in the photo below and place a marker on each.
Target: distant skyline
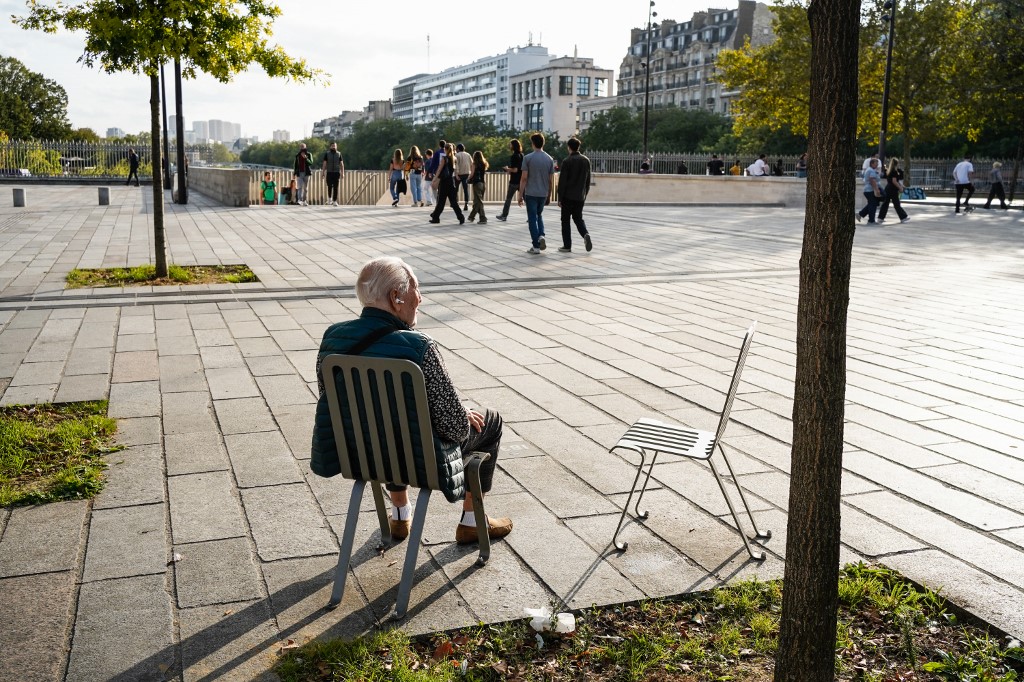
(365, 57)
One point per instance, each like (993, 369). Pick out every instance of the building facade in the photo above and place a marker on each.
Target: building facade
(477, 89)
(282, 136)
(682, 58)
(548, 98)
(595, 106)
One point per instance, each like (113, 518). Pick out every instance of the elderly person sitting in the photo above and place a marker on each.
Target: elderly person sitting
(390, 295)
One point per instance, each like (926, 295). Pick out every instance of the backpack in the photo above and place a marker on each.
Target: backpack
(268, 190)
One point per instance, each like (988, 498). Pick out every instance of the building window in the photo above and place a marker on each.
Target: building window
(535, 116)
(583, 86)
(600, 87)
(565, 85)
(547, 86)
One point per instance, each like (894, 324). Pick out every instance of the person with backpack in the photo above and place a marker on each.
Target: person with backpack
(477, 180)
(268, 190)
(447, 189)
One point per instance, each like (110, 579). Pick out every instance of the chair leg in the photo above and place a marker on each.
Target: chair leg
(756, 556)
(409, 569)
(473, 476)
(382, 515)
(765, 535)
(650, 468)
(621, 546)
(347, 539)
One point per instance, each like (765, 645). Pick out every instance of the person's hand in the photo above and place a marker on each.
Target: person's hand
(547, 201)
(520, 201)
(476, 420)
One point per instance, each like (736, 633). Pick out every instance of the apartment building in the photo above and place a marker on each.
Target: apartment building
(480, 88)
(548, 98)
(682, 57)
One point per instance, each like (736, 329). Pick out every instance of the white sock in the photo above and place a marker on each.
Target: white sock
(401, 513)
(468, 519)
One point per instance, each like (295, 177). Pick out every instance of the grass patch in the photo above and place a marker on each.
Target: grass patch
(53, 452)
(888, 630)
(145, 275)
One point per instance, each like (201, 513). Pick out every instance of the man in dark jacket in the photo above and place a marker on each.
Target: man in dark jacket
(573, 185)
(390, 294)
(303, 168)
(133, 166)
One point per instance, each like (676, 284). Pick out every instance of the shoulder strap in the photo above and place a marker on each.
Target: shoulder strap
(370, 339)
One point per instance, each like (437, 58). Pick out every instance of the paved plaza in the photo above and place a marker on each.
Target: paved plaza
(212, 543)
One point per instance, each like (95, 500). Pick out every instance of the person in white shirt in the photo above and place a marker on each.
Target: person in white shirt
(867, 162)
(963, 176)
(759, 168)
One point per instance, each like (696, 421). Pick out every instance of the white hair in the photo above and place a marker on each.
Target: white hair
(380, 277)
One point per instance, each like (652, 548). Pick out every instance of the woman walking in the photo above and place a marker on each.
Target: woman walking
(446, 187)
(515, 173)
(801, 166)
(996, 178)
(414, 166)
(397, 169)
(428, 189)
(893, 189)
(872, 192)
(480, 166)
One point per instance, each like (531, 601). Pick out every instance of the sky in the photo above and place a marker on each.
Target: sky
(366, 48)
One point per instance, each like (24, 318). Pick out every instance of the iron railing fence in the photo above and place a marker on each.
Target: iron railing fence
(63, 158)
(927, 173)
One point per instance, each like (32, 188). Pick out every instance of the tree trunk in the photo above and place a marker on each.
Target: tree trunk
(158, 184)
(807, 633)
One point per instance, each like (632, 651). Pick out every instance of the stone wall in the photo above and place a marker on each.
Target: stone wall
(621, 188)
(227, 185)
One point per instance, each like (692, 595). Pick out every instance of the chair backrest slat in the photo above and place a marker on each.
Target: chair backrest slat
(376, 394)
(393, 381)
(734, 385)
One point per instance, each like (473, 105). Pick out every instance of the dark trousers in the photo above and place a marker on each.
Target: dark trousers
(512, 189)
(135, 172)
(996, 191)
(333, 178)
(959, 192)
(487, 439)
(572, 209)
(894, 197)
(478, 203)
(464, 181)
(447, 191)
(872, 206)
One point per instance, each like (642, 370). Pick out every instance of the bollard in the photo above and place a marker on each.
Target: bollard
(104, 196)
(19, 197)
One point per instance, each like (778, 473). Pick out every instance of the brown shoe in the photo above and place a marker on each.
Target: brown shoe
(496, 528)
(400, 529)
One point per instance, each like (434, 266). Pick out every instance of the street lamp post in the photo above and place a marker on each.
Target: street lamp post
(647, 67)
(890, 7)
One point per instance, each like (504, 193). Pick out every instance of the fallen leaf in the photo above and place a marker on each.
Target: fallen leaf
(500, 667)
(443, 650)
(290, 644)
(392, 564)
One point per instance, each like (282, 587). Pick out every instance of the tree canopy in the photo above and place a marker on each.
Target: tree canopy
(31, 105)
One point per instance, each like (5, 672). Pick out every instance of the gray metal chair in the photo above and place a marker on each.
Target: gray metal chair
(381, 421)
(655, 436)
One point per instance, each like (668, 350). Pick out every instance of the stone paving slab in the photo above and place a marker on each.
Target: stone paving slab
(36, 615)
(61, 523)
(215, 386)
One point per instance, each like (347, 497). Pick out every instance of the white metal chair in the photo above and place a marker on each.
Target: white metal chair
(650, 435)
(381, 420)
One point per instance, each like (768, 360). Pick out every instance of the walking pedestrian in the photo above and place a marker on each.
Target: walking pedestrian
(996, 178)
(414, 166)
(535, 187)
(334, 166)
(801, 166)
(963, 177)
(396, 175)
(303, 168)
(447, 190)
(515, 173)
(133, 166)
(893, 188)
(464, 168)
(872, 192)
(573, 186)
(428, 176)
(478, 180)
